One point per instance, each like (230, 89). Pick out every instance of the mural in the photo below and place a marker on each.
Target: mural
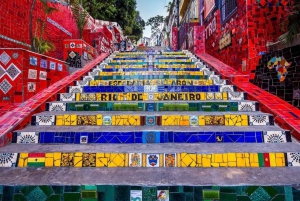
(280, 65)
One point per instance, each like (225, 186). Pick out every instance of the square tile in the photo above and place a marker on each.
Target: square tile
(57, 106)
(43, 63)
(45, 120)
(32, 74)
(135, 160)
(293, 159)
(170, 160)
(52, 65)
(5, 86)
(246, 106)
(27, 137)
(13, 71)
(89, 160)
(84, 139)
(67, 160)
(72, 45)
(67, 97)
(163, 195)
(43, 75)
(194, 120)
(75, 89)
(107, 121)
(33, 61)
(236, 96)
(59, 67)
(226, 88)
(8, 159)
(151, 137)
(274, 137)
(5, 58)
(136, 195)
(150, 120)
(152, 160)
(261, 120)
(31, 86)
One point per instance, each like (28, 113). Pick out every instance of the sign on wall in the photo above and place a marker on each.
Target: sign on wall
(225, 41)
(209, 5)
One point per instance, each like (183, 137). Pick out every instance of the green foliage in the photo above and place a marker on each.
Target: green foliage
(292, 25)
(40, 44)
(80, 16)
(155, 22)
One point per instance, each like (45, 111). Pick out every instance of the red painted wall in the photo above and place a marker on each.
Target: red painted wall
(14, 20)
(252, 26)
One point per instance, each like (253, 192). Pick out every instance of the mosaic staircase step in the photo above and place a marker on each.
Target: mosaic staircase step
(158, 96)
(207, 106)
(153, 134)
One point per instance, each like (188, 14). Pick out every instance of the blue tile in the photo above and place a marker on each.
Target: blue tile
(151, 137)
(179, 137)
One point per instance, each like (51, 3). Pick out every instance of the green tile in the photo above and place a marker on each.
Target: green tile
(260, 195)
(177, 196)
(89, 194)
(198, 193)
(18, 189)
(243, 198)
(89, 187)
(135, 188)
(89, 199)
(211, 194)
(261, 160)
(54, 198)
(228, 189)
(149, 193)
(122, 193)
(58, 189)
(101, 196)
(73, 189)
(36, 195)
(19, 197)
(47, 190)
(188, 189)
(189, 196)
(227, 196)
(250, 190)
(279, 189)
(240, 190)
(279, 198)
(0, 197)
(270, 190)
(71, 196)
(291, 194)
(27, 189)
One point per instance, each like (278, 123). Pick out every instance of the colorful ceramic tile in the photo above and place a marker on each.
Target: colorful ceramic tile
(226, 88)
(274, 137)
(89, 160)
(85, 55)
(43, 63)
(150, 88)
(5, 86)
(82, 83)
(87, 120)
(72, 54)
(255, 120)
(43, 75)
(5, 58)
(152, 160)
(72, 45)
(170, 160)
(75, 89)
(2, 71)
(151, 96)
(13, 71)
(67, 160)
(246, 106)
(136, 195)
(236, 96)
(214, 120)
(59, 67)
(32, 74)
(107, 121)
(194, 121)
(151, 137)
(45, 120)
(33, 61)
(293, 159)
(8, 159)
(84, 139)
(31, 86)
(150, 120)
(163, 195)
(57, 106)
(27, 137)
(36, 160)
(67, 97)
(135, 160)
(52, 65)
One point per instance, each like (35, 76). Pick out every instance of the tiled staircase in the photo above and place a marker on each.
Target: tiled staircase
(153, 109)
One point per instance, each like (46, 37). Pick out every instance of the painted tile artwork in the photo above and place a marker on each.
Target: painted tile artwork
(280, 65)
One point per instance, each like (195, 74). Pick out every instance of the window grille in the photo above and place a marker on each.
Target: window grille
(228, 7)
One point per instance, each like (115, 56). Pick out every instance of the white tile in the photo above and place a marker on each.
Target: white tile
(135, 160)
(293, 159)
(75, 89)
(67, 97)
(274, 137)
(57, 106)
(45, 120)
(152, 160)
(236, 96)
(27, 137)
(136, 195)
(8, 159)
(163, 195)
(246, 106)
(259, 120)
(226, 88)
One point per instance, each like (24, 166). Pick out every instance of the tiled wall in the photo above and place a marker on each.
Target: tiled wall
(24, 73)
(137, 193)
(281, 78)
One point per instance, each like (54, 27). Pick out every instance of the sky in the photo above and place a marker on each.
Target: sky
(151, 8)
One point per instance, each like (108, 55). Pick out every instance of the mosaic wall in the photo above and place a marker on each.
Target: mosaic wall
(139, 193)
(250, 31)
(150, 160)
(278, 73)
(23, 74)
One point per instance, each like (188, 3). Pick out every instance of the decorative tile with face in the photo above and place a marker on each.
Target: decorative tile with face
(194, 120)
(45, 120)
(293, 159)
(8, 159)
(107, 120)
(135, 160)
(261, 120)
(170, 160)
(27, 137)
(31, 86)
(274, 137)
(152, 160)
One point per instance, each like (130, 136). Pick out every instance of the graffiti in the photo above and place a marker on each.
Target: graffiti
(211, 28)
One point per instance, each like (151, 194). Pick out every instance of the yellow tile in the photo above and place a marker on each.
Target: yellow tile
(77, 96)
(116, 160)
(199, 160)
(201, 120)
(144, 157)
(161, 160)
(23, 159)
(231, 164)
(178, 155)
(231, 157)
(215, 164)
(241, 162)
(254, 164)
(225, 95)
(280, 162)
(223, 164)
(101, 160)
(57, 159)
(247, 162)
(218, 158)
(70, 120)
(225, 158)
(280, 155)
(239, 155)
(59, 120)
(99, 119)
(244, 120)
(188, 160)
(272, 159)
(78, 160)
(206, 162)
(49, 159)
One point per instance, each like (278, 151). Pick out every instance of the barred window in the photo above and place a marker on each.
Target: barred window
(228, 7)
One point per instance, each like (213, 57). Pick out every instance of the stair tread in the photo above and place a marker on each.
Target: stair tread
(149, 128)
(208, 148)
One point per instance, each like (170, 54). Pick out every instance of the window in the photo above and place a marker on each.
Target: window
(228, 7)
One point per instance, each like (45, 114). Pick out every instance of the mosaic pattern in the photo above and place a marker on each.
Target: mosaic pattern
(57, 107)
(45, 120)
(13, 71)
(31, 86)
(275, 137)
(5, 86)
(33, 61)
(138, 193)
(74, 59)
(27, 137)
(79, 159)
(32, 74)
(5, 58)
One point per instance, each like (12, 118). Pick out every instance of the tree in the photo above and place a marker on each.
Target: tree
(80, 16)
(292, 25)
(155, 22)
